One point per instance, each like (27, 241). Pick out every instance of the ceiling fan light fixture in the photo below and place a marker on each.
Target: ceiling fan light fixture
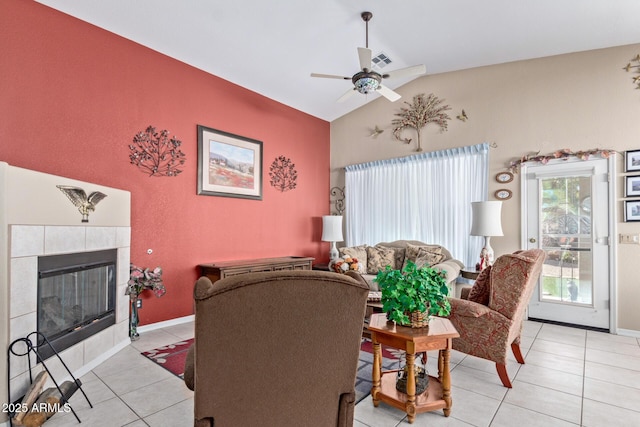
(366, 82)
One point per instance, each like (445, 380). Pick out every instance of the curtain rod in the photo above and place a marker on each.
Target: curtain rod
(470, 149)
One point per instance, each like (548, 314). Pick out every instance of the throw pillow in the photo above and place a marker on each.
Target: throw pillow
(426, 258)
(399, 256)
(378, 257)
(412, 252)
(481, 288)
(359, 252)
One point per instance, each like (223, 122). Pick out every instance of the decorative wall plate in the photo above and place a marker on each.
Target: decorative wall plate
(504, 177)
(503, 194)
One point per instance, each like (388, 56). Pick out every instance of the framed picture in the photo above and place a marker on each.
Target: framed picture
(632, 186)
(631, 210)
(229, 165)
(632, 160)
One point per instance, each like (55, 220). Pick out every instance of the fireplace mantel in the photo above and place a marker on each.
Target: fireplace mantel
(37, 219)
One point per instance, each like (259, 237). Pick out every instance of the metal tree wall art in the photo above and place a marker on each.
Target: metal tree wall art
(157, 154)
(79, 199)
(422, 111)
(283, 174)
(635, 66)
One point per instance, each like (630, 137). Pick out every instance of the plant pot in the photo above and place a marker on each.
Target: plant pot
(419, 319)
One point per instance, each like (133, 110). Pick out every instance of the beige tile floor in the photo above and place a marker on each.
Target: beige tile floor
(572, 377)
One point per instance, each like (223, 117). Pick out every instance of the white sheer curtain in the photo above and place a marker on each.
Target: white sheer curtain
(424, 197)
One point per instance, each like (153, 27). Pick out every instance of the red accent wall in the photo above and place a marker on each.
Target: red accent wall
(72, 96)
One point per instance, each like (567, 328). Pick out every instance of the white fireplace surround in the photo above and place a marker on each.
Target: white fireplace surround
(39, 220)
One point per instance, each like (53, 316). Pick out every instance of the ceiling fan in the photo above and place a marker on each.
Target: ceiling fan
(367, 80)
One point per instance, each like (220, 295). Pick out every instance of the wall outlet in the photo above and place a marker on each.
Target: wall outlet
(629, 239)
(139, 303)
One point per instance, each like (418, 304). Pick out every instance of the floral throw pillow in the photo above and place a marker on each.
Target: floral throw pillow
(378, 257)
(413, 252)
(359, 252)
(481, 288)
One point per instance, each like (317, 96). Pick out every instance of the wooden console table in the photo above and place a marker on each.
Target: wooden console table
(438, 336)
(219, 270)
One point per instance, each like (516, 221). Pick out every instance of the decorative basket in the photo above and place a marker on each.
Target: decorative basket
(419, 319)
(422, 380)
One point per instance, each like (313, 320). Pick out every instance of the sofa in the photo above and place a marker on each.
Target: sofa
(372, 259)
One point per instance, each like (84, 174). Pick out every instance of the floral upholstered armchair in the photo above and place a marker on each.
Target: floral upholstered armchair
(490, 320)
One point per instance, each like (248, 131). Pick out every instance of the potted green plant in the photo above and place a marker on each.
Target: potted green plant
(413, 290)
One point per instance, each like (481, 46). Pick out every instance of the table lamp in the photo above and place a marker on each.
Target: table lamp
(486, 222)
(332, 232)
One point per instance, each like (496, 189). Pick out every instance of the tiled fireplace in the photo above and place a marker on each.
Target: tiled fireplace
(41, 223)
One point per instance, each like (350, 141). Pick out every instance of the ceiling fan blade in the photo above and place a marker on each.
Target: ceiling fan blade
(406, 72)
(330, 76)
(364, 54)
(348, 94)
(388, 93)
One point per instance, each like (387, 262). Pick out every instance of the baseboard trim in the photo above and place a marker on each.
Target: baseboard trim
(103, 357)
(166, 323)
(629, 333)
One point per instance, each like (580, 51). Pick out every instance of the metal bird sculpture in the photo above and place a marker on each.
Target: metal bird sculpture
(79, 198)
(375, 132)
(462, 116)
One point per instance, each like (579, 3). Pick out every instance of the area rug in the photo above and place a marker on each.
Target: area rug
(172, 357)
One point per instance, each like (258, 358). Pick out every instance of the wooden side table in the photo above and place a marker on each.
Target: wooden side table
(469, 273)
(321, 267)
(438, 336)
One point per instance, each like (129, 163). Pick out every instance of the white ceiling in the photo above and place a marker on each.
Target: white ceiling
(271, 47)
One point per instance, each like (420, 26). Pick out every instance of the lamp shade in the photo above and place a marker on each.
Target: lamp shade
(332, 228)
(487, 219)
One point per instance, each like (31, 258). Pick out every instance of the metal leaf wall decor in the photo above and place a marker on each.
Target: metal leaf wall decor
(283, 174)
(157, 154)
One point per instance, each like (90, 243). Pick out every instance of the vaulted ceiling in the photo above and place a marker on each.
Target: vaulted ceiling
(273, 47)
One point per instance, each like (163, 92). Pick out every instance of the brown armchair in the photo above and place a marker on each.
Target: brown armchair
(276, 348)
(487, 331)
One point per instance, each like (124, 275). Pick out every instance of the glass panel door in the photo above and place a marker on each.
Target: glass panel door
(566, 213)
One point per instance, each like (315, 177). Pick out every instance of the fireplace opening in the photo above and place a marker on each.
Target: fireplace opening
(76, 297)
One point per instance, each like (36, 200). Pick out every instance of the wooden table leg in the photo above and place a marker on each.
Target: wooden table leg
(446, 381)
(376, 372)
(411, 388)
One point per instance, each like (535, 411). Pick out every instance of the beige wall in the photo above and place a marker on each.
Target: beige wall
(577, 101)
